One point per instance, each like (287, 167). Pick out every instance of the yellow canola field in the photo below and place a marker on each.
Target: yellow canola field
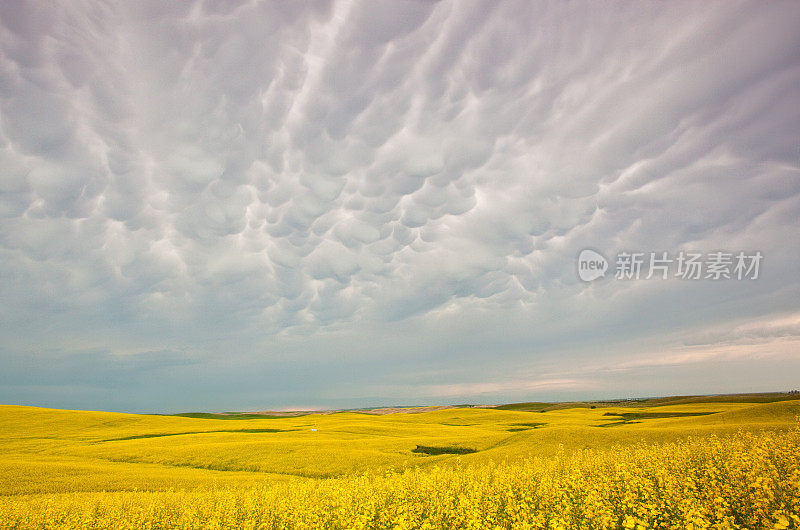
(718, 465)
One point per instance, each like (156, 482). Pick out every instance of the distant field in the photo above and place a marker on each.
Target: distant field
(45, 454)
(766, 397)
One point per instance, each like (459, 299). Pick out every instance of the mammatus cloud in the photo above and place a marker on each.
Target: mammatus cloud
(269, 185)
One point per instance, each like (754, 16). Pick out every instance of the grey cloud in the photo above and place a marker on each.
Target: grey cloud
(207, 174)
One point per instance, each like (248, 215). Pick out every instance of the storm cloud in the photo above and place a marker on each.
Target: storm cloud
(266, 204)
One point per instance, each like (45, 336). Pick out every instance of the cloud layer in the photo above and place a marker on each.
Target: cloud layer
(281, 188)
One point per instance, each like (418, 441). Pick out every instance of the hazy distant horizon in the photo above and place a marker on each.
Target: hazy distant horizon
(212, 206)
(314, 410)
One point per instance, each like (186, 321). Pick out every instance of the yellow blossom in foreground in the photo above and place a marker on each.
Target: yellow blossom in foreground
(746, 480)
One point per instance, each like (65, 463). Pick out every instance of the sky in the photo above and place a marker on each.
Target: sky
(307, 205)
